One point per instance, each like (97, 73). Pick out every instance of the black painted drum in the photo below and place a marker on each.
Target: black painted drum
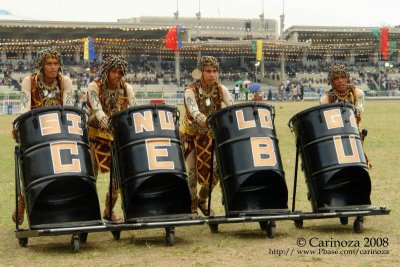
(250, 165)
(57, 172)
(150, 163)
(332, 153)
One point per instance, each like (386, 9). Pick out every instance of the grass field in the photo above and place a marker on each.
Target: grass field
(235, 244)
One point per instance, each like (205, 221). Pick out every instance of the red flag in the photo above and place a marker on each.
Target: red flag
(384, 43)
(171, 40)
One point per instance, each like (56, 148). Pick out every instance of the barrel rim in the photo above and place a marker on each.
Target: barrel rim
(30, 113)
(144, 107)
(318, 107)
(211, 117)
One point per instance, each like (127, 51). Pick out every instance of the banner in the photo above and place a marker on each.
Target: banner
(392, 48)
(259, 53)
(173, 39)
(88, 49)
(385, 43)
(376, 34)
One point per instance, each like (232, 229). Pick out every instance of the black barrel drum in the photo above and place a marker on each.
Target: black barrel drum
(150, 163)
(332, 154)
(250, 166)
(57, 172)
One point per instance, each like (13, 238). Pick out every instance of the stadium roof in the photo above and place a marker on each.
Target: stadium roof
(53, 30)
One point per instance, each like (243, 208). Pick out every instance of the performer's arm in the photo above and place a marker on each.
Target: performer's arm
(324, 99)
(226, 96)
(94, 100)
(68, 97)
(131, 96)
(360, 102)
(25, 96)
(191, 104)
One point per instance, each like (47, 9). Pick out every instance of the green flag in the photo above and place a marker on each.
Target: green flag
(254, 46)
(376, 33)
(392, 48)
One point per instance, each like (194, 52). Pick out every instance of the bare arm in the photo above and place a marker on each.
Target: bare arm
(25, 96)
(94, 100)
(360, 101)
(68, 97)
(324, 99)
(190, 102)
(131, 96)
(226, 96)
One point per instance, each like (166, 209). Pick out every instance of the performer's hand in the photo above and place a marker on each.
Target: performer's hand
(204, 124)
(104, 122)
(14, 134)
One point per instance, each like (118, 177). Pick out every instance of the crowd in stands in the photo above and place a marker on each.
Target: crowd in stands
(143, 72)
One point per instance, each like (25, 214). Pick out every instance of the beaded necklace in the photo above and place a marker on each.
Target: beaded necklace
(49, 93)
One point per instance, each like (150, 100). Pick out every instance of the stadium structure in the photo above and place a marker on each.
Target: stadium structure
(141, 40)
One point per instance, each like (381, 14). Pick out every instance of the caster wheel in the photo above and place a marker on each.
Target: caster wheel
(263, 225)
(116, 234)
(271, 229)
(344, 220)
(213, 228)
(83, 237)
(23, 242)
(75, 243)
(358, 225)
(170, 236)
(298, 224)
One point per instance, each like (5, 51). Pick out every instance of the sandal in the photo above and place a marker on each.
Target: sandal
(204, 209)
(113, 218)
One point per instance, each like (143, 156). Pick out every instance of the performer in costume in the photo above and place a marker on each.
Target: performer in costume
(46, 87)
(201, 98)
(343, 91)
(107, 95)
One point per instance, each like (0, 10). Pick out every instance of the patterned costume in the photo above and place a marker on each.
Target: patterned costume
(200, 101)
(100, 139)
(198, 138)
(351, 94)
(36, 93)
(103, 103)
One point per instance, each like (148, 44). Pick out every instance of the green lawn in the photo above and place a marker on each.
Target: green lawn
(235, 244)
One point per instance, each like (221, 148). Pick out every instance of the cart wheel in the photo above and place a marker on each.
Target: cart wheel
(263, 225)
(344, 220)
(298, 224)
(213, 228)
(358, 225)
(75, 243)
(23, 241)
(169, 236)
(116, 234)
(271, 229)
(83, 237)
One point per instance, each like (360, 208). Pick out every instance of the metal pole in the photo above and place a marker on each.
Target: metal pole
(295, 177)
(211, 176)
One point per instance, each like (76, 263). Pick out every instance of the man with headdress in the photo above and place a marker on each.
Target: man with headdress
(201, 98)
(343, 91)
(46, 87)
(107, 95)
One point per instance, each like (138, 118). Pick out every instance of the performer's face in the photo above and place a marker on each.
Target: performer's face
(51, 66)
(209, 75)
(340, 84)
(114, 77)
